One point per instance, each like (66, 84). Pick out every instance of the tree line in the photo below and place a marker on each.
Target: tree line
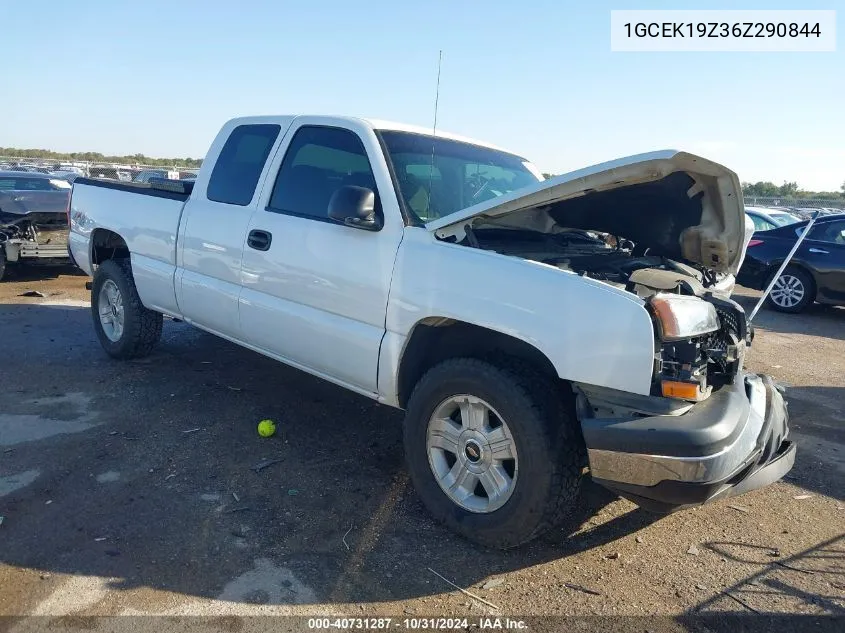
(788, 191)
(97, 157)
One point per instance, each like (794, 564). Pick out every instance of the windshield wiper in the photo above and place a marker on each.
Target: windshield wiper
(480, 189)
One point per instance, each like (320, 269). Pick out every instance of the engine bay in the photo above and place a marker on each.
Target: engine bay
(709, 360)
(601, 256)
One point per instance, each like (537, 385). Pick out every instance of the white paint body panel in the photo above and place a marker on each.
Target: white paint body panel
(147, 224)
(210, 254)
(590, 331)
(211, 245)
(319, 296)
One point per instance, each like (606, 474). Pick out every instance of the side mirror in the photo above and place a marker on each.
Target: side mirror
(355, 207)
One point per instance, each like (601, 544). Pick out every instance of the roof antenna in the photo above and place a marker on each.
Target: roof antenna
(434, 129)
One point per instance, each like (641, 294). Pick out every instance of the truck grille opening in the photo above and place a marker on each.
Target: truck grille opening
(712, 360)
(725, 348)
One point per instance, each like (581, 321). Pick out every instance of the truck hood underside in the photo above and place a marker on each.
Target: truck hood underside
(671, 203)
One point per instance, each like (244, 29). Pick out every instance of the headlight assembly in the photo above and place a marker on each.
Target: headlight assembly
(683, 317)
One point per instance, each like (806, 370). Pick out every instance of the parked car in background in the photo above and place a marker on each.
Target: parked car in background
(765, 218)
(805, 213)
(69, 176)
(69, 168)
(111, 172)
(33, 218)
(816, 272)
(28, 167)
(146, 174)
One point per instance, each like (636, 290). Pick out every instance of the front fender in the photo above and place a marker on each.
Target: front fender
(590, 332)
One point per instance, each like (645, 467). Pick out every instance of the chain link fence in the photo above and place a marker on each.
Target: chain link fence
(809, 203)
(801, 207)
(71, 169)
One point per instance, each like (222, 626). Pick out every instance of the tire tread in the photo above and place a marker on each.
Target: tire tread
(143, 326)
(545, 402)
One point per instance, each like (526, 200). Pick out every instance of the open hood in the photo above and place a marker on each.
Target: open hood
(673, 203)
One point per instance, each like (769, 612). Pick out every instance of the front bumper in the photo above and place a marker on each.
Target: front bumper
(19, 250)
(733, 442)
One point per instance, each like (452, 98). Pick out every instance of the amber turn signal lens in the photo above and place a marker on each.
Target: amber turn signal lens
(684, 390)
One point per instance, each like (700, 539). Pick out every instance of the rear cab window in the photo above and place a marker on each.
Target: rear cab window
(240, 163)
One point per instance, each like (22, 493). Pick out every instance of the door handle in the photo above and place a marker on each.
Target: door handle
(820, 251)
(259, 240)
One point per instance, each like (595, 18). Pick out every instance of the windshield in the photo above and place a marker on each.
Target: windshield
(782, 219)
(459, 176)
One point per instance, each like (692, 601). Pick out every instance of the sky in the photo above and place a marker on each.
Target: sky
(535, 77)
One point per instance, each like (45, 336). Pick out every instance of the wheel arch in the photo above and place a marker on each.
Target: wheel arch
(105, 244)
(433, 340)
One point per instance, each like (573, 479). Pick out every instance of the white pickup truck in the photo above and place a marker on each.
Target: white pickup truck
(533, 330)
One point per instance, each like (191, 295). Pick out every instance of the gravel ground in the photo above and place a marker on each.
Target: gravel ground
(132, 488)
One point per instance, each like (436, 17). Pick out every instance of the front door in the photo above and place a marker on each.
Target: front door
(315, 291)
(824, 251)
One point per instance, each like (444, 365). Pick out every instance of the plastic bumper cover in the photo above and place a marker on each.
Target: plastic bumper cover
(733, 442)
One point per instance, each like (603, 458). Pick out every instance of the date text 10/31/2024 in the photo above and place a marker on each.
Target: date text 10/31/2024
(417, 624)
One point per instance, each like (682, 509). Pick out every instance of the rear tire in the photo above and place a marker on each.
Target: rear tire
(2, 261)
(793, 292)
(126, 328)
(543, 482)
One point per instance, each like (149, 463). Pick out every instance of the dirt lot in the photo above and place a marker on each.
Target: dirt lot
(130, 488)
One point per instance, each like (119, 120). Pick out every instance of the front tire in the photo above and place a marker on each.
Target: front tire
(126, 328)
(793, 291)
(493, 451)
(2, 261)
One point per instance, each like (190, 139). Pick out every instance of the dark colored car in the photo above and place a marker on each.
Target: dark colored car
(816, 272)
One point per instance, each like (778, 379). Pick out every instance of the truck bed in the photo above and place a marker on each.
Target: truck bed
(145, 216)
(173, 190)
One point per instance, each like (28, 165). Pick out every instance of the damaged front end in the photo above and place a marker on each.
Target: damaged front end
(666, 226)
(707, 429)
(669, 228)
(700, 333)
(704, 353)
(36, 236)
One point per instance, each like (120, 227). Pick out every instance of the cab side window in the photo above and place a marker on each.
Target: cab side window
(240, 163)
(318, 162)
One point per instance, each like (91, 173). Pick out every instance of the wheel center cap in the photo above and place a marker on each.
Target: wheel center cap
(114, 310)
(473, 451)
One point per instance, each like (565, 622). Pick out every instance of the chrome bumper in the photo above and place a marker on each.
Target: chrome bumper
(732, 444)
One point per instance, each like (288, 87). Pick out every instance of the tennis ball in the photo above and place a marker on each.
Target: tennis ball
(266, 428)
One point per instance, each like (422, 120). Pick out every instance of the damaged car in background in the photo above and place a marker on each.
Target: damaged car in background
(33, 219)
